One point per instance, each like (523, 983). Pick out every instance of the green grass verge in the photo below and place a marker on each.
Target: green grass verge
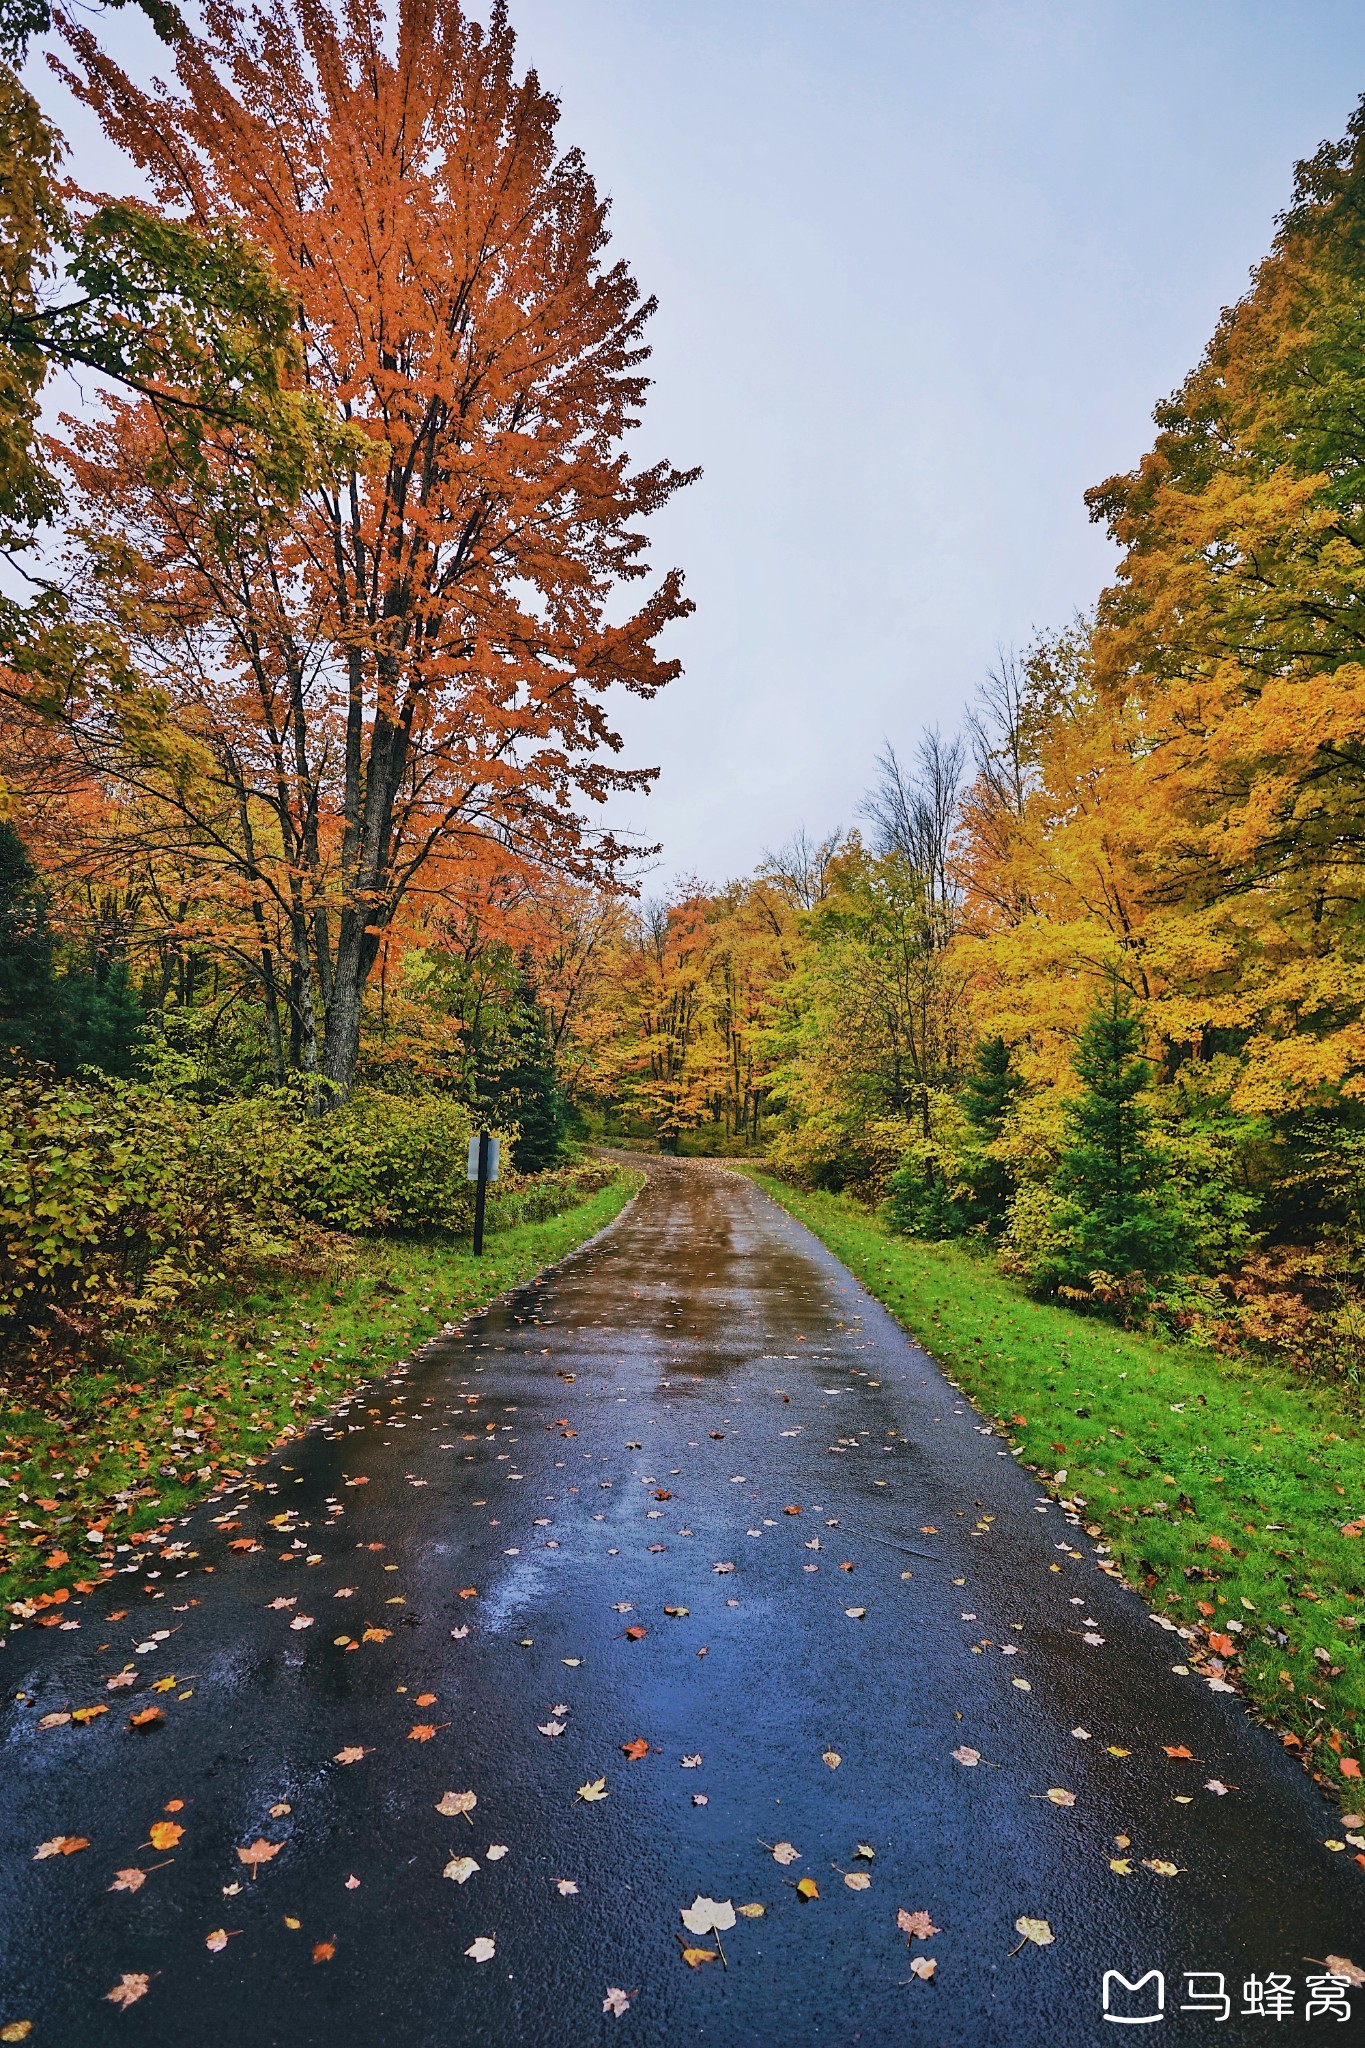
(128, 1449)
(1222, 1488)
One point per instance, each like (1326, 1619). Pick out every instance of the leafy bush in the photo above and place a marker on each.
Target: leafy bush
(838, 1153)
(382, 1162)
(111, 1204)
(121, 1204)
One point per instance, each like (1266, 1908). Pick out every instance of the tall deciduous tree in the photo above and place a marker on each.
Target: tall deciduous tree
(413, 660)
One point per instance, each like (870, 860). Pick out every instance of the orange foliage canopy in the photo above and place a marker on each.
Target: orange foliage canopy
(409, 663)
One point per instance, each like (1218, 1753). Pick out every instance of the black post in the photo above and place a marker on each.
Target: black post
(480, 1194)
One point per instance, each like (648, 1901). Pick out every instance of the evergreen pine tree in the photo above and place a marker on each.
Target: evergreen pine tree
(70, 1019)
(987, 1094)
(519, 1081)
(1110, 1219)
(27, 1007)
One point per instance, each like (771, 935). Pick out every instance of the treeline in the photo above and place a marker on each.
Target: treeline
(308, 652)
(1088, 981)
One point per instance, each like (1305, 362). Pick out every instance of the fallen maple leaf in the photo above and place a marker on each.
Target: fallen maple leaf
(1348, 1767)
(636, 1634)
(636, 1749)
(1342, 1966)
(376, 1635)
(677, 1612)
(918, 1925)
(460, 1868)
(128, 1880)
(323, 1951)
(130, 1987)
(922, 1967)
(1178, 1750)
(469, 1592)
(218, 1940)
(566, 1887)
(350, 1755)
(1217, 1786)
(426, 1699)
(1061, 1798)
(421, 1731)
(482, 1949)
(164, 1834)
(691, 1763)
(302, 1621)
(60, 1845)
(451, 1803)
(695, 1957)
(257, 1853)
(85, 1715)
(147, 1717)
(551, 1727)
(617, 2001)
(596, 1788)
(1036, 1931)
(353, 1883)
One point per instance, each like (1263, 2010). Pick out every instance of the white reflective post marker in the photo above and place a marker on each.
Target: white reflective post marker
(482, 1167)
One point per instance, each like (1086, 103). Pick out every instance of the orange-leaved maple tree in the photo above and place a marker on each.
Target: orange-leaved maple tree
(345, 698)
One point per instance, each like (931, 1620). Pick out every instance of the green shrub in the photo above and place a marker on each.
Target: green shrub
(120, 1204)
(382, 1162)
(111, 1205)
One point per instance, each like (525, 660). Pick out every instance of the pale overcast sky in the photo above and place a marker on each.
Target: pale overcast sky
(924, 267)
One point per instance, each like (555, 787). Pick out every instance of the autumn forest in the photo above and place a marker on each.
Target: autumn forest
(330, 582)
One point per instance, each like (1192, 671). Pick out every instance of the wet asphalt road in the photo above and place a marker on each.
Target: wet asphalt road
(630, 1435)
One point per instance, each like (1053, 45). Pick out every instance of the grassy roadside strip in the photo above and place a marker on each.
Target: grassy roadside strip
(1227, 1493)
(128, 1451)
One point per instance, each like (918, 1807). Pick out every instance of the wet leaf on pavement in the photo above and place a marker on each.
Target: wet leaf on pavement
(130, 1987)
(918, 1926)
(707, 1916)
